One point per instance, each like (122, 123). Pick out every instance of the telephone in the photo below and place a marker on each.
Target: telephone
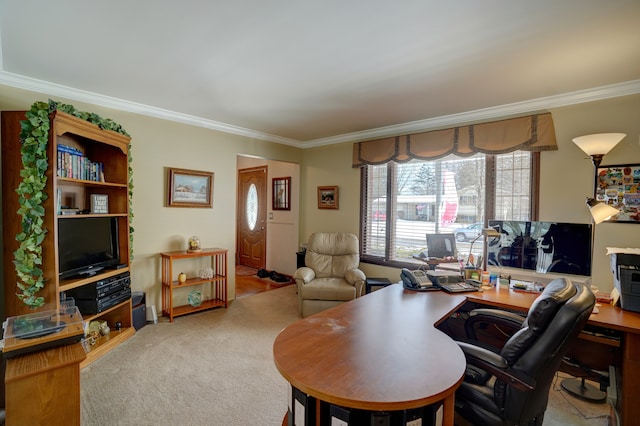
(415, 279)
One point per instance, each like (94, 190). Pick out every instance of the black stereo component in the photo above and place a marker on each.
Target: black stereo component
(100, 295)
(95, 306)
(101, 288)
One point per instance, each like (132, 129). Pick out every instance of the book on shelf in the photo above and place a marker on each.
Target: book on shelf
(73, 164)
(58, 200)
(69, 210)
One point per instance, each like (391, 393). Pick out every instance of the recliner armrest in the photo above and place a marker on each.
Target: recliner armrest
(496, 365)
(305, 274)
(354, 275)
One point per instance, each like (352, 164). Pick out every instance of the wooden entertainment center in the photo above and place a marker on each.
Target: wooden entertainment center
(91, 145)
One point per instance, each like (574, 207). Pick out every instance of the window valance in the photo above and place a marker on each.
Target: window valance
(532, 133)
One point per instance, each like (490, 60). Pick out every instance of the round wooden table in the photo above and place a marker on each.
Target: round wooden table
(380, 352)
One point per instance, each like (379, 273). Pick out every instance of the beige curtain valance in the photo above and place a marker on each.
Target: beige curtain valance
(531, 133)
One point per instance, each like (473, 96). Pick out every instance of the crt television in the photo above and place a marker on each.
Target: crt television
(87, 245)
(544, 247)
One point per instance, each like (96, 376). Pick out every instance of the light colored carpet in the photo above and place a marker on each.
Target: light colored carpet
(216, 368)
(210, 368)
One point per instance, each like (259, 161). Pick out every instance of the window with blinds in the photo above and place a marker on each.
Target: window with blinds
(403, 202)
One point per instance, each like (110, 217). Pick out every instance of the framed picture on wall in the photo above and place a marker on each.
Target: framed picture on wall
(281, 195)
(189, 188)
(619, 186)
(328, 197)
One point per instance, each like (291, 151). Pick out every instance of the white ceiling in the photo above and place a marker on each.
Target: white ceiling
(309, 72)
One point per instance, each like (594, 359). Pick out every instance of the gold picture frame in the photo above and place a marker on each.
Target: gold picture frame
(328, 197)
(189, 188)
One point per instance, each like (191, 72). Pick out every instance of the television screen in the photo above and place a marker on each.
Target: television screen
(87, 245)
(541, 246)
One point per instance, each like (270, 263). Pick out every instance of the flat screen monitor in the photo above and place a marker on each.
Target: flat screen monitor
(545, 247)
(441, 245)
(87, 245)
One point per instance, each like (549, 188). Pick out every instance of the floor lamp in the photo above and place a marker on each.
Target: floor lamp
(486, 232)
(596, 146)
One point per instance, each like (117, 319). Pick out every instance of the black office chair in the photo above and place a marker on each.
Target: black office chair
(511, 386)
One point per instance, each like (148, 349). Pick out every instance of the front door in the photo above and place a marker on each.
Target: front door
(252, 216)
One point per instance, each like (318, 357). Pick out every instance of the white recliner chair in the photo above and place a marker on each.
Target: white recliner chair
(331, 275)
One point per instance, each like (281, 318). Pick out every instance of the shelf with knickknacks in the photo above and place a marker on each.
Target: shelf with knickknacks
(212, 279)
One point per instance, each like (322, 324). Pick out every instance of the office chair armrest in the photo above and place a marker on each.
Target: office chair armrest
(354, 275)
(510, 320)
(496, 365)
(304, 274)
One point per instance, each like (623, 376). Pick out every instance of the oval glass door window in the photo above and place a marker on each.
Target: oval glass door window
(252, 206)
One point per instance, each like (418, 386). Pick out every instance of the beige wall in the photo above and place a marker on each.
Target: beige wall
(567, 178)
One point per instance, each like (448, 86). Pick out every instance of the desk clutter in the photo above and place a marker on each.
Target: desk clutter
(449, 281)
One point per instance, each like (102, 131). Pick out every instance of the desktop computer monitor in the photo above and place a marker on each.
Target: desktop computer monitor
(441, 245)
(544, 247)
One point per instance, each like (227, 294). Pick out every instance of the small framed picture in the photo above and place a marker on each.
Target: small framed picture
(328, 197)
(281, 193)
(189, 188)
(99, 204)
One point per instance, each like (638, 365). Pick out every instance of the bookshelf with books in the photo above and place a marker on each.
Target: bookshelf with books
(73, 164)
(84, 161)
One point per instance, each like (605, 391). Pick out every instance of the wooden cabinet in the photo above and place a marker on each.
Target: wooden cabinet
(214, 296)
(90, 143)
(43, 388)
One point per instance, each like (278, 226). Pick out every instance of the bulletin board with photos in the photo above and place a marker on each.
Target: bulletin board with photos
(619, 186)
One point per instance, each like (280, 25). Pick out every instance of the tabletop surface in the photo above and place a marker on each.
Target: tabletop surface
(378, 352)
(607, 316)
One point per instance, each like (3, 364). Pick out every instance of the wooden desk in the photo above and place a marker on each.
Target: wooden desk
(380, 352)
(608, 317)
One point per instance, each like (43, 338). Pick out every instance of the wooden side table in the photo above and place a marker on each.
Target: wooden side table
(218, 282)
(376, 282)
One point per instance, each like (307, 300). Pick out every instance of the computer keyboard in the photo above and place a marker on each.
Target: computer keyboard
(458, 287)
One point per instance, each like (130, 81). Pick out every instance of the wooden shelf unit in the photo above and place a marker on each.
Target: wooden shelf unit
(218, 282)
(97, 145)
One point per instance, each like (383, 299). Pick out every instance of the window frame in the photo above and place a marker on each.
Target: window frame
(489, 207)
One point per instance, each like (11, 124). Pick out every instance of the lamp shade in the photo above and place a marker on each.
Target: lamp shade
(599, 143)
(600, 211)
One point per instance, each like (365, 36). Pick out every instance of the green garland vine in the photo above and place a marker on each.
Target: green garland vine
(34, 137)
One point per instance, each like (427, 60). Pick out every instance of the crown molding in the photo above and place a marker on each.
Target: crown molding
(497, 112)
(53, 89)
